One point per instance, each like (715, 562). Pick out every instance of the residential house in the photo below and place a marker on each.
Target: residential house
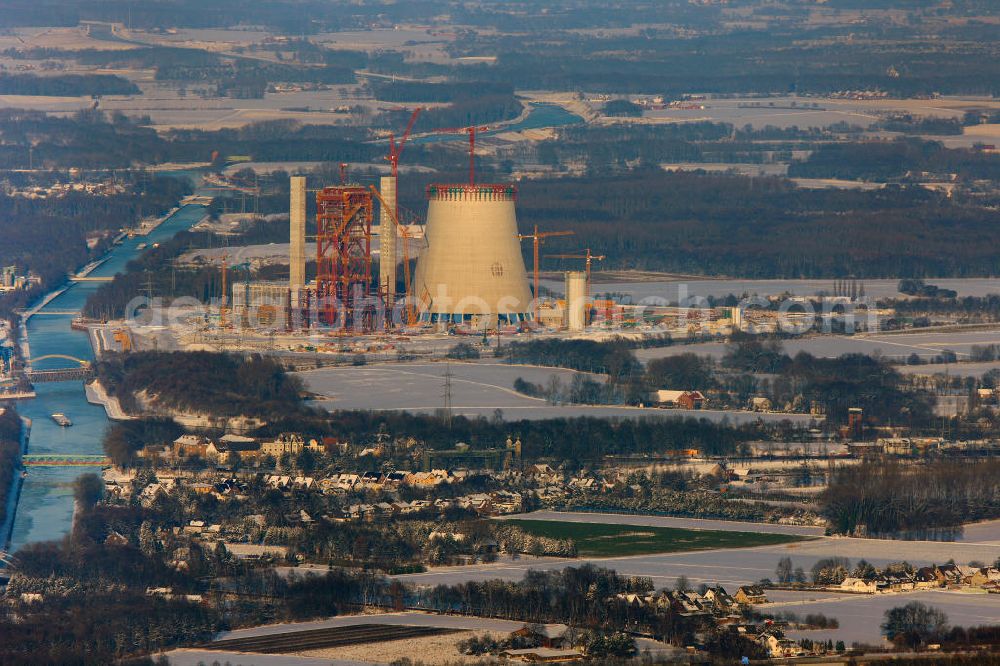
(721, 600)
(289, 443)
(547, 635)
(966, 573)
(278, 481)
(153, 490)
(896, 582)
(543, 474)
(860, 585)
(189, 446)
(681, 399)
(426, 479)
(394, 479)
(686, 604)
(925, 579)
(983, 576)
(948, 574)
(779, 647)
(750, 594)
(226, 449)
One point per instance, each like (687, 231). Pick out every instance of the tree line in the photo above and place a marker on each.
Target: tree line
(893, 160)
(66, 85)
(888, 498)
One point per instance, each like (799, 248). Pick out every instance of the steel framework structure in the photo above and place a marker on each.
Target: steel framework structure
(344, 257)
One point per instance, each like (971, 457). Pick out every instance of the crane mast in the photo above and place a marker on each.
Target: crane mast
(537, 239)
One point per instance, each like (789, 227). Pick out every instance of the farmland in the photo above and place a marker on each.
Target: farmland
(603, 540)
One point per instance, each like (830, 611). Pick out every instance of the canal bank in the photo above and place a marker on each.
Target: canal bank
(45, 507)
(7, 527)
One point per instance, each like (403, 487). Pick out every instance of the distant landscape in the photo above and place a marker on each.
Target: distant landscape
(478, 332)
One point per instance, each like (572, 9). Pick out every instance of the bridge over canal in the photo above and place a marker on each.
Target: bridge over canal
(64, 460)
(82, 372)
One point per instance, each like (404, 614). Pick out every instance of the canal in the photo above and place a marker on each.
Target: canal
(45, 510)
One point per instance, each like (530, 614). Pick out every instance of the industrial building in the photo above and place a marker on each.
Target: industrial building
(472, 269)
(262, 305)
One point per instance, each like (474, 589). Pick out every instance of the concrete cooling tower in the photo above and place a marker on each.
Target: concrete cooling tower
(472, 265)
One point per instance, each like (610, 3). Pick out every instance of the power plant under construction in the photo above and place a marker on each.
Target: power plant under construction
(469, 268)
(470, 273)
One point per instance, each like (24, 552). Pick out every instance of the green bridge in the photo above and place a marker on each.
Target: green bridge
(63, 460)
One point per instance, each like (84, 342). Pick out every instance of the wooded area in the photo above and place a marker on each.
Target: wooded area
(202, 383)
(48, 236)
(66, 85)
(889, 499)
(10, 454)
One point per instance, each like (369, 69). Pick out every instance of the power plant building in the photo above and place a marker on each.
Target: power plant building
(297, 234)
(262, 305)
(576, 300)
(387, 241)
(472, 265)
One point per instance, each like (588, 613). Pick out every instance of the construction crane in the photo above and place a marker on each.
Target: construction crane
(588, 258)
(471, 131)
(537, 239)
(396, 149)
(411, 315)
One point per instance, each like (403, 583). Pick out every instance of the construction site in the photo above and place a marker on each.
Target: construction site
(379, 281)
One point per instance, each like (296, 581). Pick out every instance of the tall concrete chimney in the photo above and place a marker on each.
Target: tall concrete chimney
(297, 235)
(387, 242)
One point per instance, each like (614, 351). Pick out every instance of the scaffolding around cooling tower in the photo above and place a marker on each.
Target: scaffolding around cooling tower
(344, 216)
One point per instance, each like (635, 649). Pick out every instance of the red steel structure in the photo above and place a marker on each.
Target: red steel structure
(396, 149)
(344, 256)
(471, 131)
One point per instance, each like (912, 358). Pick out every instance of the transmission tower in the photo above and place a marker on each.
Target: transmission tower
(447, 395)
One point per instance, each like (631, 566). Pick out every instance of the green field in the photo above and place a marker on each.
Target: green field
(603, 540)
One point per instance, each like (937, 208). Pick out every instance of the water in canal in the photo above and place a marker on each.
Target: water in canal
(541, 115)
(45, 509)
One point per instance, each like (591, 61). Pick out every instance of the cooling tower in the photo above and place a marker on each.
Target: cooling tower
(472, 263)
(387, 241)
(297, 234)
(576, 300)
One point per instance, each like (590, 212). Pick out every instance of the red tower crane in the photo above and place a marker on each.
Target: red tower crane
(471, 131)
(537, 239)
(396, 149)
